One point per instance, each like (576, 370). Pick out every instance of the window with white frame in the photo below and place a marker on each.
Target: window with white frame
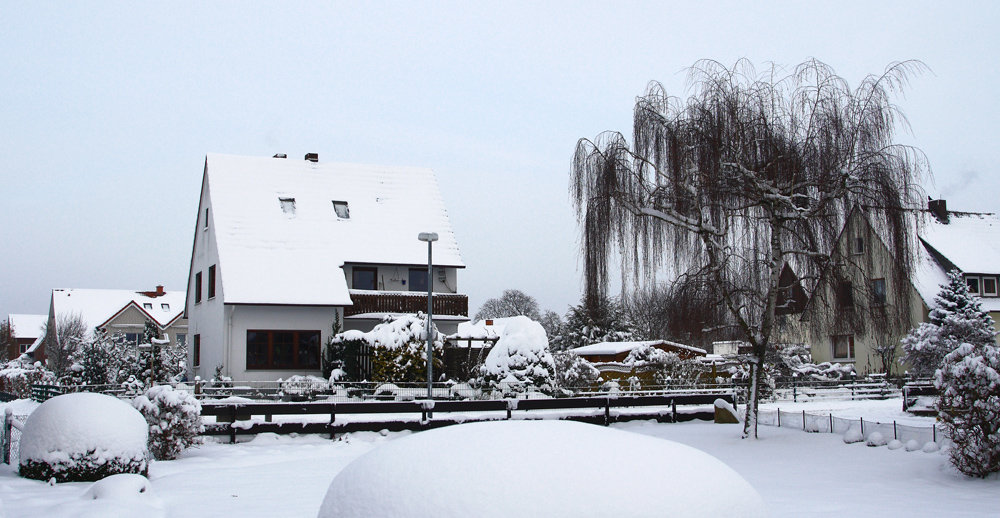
(843, 347)
(989, 286)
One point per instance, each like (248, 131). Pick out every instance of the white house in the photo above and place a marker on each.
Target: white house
(285, 248)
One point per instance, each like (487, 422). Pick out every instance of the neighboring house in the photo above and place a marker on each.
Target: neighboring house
(284, 249)
(123, 312)
(28, 331)
(849, 316)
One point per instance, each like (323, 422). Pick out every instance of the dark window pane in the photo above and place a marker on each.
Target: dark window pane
(843, 346)
(973, 284)
(364, 278)
(308, 349)
(197, 350)
(257, 345)
(284, 349)
(211, 281)
(989, 286)
(418, 279)
(845, 295)
(197, 287)
(878, 292)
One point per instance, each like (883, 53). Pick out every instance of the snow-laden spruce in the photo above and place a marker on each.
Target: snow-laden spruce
(574, 373)
(537, 468)
(83, 437)
(957, 318)
(174, 418)
(520, 361)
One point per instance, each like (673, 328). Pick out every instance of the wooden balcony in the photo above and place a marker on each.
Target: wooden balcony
(406, 302)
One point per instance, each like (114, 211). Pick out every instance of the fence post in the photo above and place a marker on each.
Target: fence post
(779, 417)
(934, 427)
(831, 422)
(673, 411)
(8, 416)
(862, 427)
(607, 411)
(795, 391)
(895, 436)
(803, 420)
(232, 426)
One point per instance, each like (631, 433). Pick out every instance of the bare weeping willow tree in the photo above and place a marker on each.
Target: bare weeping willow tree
(750, 173)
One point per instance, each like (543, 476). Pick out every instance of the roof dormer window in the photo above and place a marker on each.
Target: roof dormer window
(147, 305)
(287, 205)
(165, 307)
(340, 207)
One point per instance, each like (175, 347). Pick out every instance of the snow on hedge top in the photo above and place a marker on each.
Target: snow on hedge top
(480, 329)
(80, 423)
(96, 307)
(537, 468)
(612, 348)
(274, 251)
(392, 334)
(27, 326)
(522, 346)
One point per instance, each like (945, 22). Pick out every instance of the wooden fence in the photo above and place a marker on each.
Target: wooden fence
(233, 419)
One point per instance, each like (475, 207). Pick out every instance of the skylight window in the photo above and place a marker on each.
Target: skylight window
(165, 307)
(287, 205)
(340, 207)
(147, 305)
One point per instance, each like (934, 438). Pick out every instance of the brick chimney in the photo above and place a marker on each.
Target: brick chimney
(158, 293)
(939, 208)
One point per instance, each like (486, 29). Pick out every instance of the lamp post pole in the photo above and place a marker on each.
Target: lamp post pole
(430, 238)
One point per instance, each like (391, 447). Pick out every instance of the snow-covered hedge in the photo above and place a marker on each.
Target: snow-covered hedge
(520, 360)
(174, 419)
(398, 350)
(83, 437)
(302, 386)
(16, 378)
(574, 372)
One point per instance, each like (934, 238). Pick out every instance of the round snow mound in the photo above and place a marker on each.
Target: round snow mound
(83, 437)
(537, 468)
(124, 486)
(876, 439)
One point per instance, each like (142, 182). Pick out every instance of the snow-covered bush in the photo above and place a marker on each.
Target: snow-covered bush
(957, 318)
(16, 378)
(398, 350)
(304, 386)
(607, 322)
(969, 407)
(520, 360)
(174, 419)
(574, 372)
(825, 371)
(663, 367)
(83, 437)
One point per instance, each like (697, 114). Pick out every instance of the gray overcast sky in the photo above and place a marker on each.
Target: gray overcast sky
(110, 107)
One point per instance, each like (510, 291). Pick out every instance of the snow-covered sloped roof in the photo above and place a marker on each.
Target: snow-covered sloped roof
(291, 252)
(970, 241)
(96, 307)
(27, 326)
(612, 348)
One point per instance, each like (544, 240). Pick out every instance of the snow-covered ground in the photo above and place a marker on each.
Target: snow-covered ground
(797, 474)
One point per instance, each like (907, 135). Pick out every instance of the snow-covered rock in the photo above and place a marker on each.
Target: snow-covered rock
(853, 435)
(123, 486)
(875, 439)
(83, 436)
(537, 468)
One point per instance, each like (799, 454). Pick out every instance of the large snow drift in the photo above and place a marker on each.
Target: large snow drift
(537, 468)
(83, 436)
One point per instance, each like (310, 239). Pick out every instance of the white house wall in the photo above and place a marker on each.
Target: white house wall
(244, 318)
(205, 318)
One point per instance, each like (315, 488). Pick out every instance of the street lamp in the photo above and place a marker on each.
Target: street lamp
(430, 238)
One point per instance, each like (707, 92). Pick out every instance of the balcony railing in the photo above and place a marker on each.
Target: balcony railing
(406, 302)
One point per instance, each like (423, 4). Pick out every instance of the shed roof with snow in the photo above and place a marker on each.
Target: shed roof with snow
(284, 227)
(614, 348)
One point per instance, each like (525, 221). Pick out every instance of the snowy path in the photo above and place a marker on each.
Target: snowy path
(797, 473)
